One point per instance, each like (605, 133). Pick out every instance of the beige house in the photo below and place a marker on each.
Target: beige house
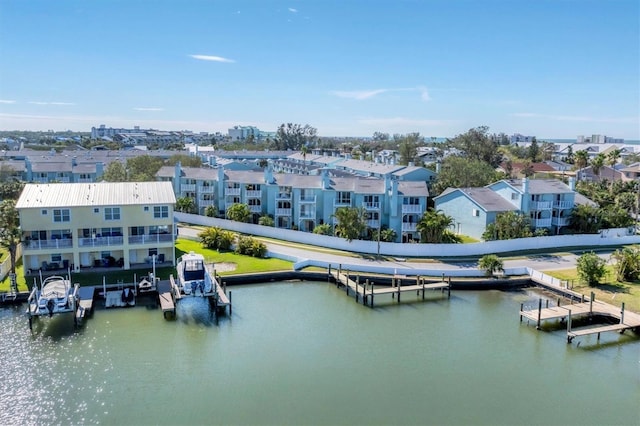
(84, 225)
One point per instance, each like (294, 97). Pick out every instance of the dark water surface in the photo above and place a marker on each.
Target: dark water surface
(304, 353)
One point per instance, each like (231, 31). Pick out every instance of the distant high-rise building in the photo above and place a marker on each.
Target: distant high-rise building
(517, 138)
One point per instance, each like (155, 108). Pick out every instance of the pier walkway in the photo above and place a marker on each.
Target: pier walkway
(367, 291)
(167, 295)
(85, 303)
(588, 308)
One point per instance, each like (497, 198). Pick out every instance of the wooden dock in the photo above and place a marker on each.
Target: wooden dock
(84, 306)
(113, 299)
(367, 291)
(589, 308)
(167, 293)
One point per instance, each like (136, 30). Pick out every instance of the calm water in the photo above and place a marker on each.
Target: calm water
(304, 353)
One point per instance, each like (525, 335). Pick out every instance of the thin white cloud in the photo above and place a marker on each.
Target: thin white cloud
(51, 103)
(367, 94)
(7, 101)
(576, 118)
(148, 109)
(292, 10)
(212, 58)
(403, 121)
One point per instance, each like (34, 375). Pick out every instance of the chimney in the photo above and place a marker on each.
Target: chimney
(572, 183)
(525, 185)
(438, 166)
(326, 181)
(268, 174)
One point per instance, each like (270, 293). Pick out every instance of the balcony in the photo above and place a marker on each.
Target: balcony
(562, 205)
(150, 239)
(412, 209)
(373, 223)
(372, 206)
(206, 189)
(283, 196)
(205, 203)
(253, 194)
(283, 212)
(232, 191)
(307, 214)
(341, 203)
(409, 227)
(48, 244)
(101, 241)
(255, 209)
(541, 223)
(188, 187)
(307, 199)
(560, 221)
(540, 205)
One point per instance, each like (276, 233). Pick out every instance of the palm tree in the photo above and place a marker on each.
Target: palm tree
(351, 222)
(613, 157)
(239, 212)
(432, 226)
(581, 159)
(10, 234)
(596, 164)
(491, 264)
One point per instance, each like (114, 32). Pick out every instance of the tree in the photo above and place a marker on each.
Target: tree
(294, 136)
(143, 168)
(459, 172)
(507, 226)
(266, 221)
(185, 160)
(408, 147)
(387, 235)
(626, 263)
(186, 205)
(304, 150)
(491, 264)
(211, 211)
(570, 157)
(534, 151)
(596, 164)
(613, 156)
(477, 145)
(434, 226)
(581, 159)
(547, 149)
(351, 222)
(615, 217)
(239, 212)
(10, 234)
(591, 268)
(115, 172)
(11, 190)
(585, 219)
(216, 238)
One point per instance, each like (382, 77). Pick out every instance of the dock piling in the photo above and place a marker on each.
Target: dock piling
(539, 313)
(230, 304)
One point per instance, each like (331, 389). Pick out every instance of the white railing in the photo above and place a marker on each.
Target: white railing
(150, 239)
(372, 206)
(560, 221)
(205, 203)
(101, 241)
(412, 208)
(188, 187)
(283, 196)
(206, 189)
(540, 205)
(409, 227)
(338, 204)
(255, 209)
(307, 198)
(307, 214)
(562, 204)
(283, 212)
(48, 244)
(253, 194)
(232, 191)
(372, 223)
(542, 223)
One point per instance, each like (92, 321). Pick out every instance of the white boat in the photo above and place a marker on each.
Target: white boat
(192, 276)
(55, 296)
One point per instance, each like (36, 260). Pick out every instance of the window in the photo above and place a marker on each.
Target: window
(160, 212)
(60, 234)
(343, 197)
(515, 195)
(61, 215)
(146, 208)
(112, 213)
(56, 258)
(44, 212)
(111, 232)
(475, 212)
(96, 210)
(153, 251)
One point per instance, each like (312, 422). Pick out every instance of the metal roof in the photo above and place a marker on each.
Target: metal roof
(95, 194)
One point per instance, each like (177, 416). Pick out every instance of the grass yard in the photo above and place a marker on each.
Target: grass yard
(609, 291)
(243, 264)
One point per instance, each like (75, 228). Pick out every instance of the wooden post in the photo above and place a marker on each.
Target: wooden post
(346, 281)
(539, 313)
(593, 296)
(364, 292)
(449, 289)
(521, 308)
(582, 298)
(372, 294)
(569, 338)
(546, 302)
(393, 284)
(558, 301)
(422, 288)
(399, 286)
(329, 274)
(622, 314)
(230, 304)
(417, 285)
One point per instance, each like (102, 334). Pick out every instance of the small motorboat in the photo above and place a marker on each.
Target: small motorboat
(193, 278)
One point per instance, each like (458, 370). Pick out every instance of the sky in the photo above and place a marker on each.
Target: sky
(547, 68)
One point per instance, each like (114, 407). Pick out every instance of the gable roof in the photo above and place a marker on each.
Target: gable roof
(484, 197)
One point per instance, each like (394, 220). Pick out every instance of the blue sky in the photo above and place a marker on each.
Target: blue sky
(550, 68)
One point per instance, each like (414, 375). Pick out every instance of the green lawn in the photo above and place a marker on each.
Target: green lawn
(243, 264)
(609, 291)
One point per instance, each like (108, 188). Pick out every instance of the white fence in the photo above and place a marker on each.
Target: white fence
(606, 238)
(5, 266)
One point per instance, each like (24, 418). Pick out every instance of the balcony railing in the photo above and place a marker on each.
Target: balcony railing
(253, 194)
(409, 227)
(372, 206)
(373, 223)
(255, 209)
(562, 204)
(307, 198)
(560, 221)
(412, 208)
(101, 241)
(283, 212)
(541, 223)
(205, 203)
(540, 205)
(188, 187)
(150, 239)
(283, 196)
(338, 204)
(307, 215)
(232, 191)
(206, 189)
(48, 244)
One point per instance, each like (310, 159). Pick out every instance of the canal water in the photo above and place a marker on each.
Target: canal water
(304, 353)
